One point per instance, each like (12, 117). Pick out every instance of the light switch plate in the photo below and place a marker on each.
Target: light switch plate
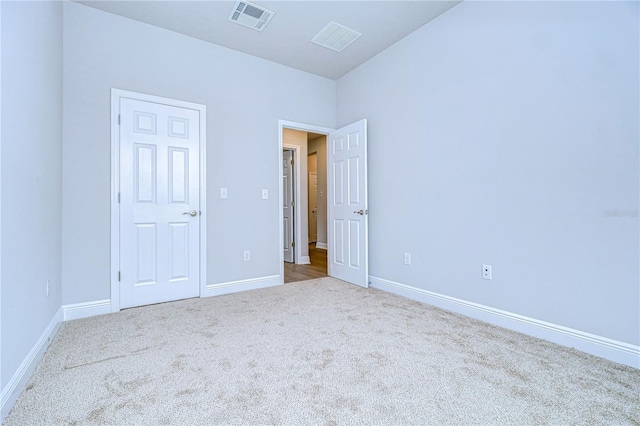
(223, 192)
(265, 194)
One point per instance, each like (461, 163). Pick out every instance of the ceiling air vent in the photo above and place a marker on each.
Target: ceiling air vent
(336, 37)
(250, 15)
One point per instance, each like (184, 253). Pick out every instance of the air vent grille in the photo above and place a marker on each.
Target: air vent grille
(250, 15)
(336, 37)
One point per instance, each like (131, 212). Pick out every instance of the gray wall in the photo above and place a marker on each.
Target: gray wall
(503, 133)
(245, 96)
(31, 172)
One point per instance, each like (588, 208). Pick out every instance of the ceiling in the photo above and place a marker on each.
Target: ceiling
(287, 38)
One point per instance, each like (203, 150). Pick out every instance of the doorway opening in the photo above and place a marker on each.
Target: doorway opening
(346, 194)
(304, 207)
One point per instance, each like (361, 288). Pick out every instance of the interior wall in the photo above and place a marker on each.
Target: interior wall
(507, 133)
(298, 139)
(319, 145)
(245, 97)
(31, 175)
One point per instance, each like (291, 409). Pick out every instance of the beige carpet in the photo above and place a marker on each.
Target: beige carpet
(316, 352)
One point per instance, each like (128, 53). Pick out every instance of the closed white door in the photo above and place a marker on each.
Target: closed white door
(160, 203)
(348, 220)
(287, 205)
(313, 207)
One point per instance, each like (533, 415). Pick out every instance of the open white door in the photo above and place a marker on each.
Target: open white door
(287, 205)
(347, 204)
(160, 203)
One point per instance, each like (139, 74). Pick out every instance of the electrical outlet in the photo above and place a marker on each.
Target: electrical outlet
(247, 255)
(48, 285)
(407, 258)
(223, 192)
(265, 194)
(486, 272)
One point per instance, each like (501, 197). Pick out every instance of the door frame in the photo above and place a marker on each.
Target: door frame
(116, 95)
(303, 127)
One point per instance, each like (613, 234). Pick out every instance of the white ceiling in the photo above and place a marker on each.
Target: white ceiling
(287, 38)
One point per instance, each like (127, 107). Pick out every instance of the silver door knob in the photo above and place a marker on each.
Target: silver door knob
(192, 213)
(360, 212)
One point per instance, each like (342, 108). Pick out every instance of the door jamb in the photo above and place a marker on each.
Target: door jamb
(282, 124)
(116, 95)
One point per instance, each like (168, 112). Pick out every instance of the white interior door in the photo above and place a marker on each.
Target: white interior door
(160, 203)
(348, 220)
(313, 207)
(287, 205)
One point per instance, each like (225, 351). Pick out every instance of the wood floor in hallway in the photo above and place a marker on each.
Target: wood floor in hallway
(317, 268)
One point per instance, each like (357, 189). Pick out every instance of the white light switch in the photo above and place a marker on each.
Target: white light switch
(265, 194)
(223, 192)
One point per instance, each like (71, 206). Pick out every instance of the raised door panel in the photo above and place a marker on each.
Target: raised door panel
(146, 251)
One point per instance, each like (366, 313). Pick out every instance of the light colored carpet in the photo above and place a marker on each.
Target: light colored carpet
(316, 352)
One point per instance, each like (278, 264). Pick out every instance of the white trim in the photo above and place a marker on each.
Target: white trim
(304, 260)
(19, 380)
(282, 124)
(322, 246)
(116, 94)
(623, 353)
(241, 285)
(1, 417)
(87, 309)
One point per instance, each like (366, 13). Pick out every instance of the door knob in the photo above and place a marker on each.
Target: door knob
(192, 213)
(360, 212)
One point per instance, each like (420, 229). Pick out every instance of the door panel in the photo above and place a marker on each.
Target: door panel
(348, 215)
(287, 205)
(159, 187)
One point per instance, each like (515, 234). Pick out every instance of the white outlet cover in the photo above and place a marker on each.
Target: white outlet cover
(486, 272)
(265, 194)
(223, 192)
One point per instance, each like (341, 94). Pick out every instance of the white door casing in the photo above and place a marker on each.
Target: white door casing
(347, 204)
(313, 206)
(288, 206)
(159, 203)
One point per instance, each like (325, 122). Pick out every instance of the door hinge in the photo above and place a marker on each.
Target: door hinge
(292, 161)
(293, 204)
(118, 119)
(293, 244)
(118, 275)
(118, 198)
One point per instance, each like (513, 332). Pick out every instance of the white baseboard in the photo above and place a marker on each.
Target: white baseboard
(241, 285)
(304, 260)
(623, 353)
(322, 246)
(87, 309)
(19, 380)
